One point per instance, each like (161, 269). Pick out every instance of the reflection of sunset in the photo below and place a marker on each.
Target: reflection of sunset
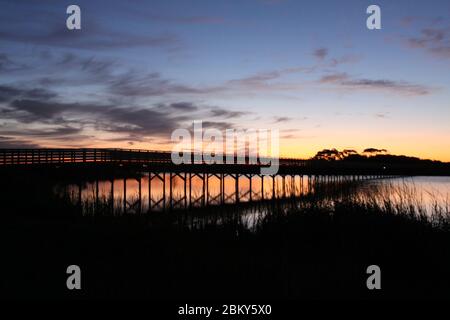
(291, 187)
(428, 191)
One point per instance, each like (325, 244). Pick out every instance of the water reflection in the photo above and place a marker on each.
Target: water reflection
(197, 191)
(132, 195)
(427, 194)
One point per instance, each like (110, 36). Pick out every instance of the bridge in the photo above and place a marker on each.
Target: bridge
(161, 160)
(157, 166)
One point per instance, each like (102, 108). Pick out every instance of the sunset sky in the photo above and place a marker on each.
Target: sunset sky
(140, 69)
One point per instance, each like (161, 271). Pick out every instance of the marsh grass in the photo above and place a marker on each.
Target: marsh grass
(314, 246)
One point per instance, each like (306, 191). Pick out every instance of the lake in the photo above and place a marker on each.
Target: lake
(425, 192)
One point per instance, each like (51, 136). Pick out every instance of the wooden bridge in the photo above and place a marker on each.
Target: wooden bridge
(161, 161)
(157, 167)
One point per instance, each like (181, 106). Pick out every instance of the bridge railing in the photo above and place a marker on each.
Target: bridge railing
(100, 155)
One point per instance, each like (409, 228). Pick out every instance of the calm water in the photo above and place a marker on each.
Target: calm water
(422, 191)
(191, 193)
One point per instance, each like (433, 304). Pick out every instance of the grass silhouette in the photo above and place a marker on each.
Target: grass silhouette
(314, 247)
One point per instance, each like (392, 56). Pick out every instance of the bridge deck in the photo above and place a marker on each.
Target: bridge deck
(161, 161)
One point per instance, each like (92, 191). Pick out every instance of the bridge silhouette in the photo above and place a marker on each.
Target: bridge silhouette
(162, 161)
(158, 165)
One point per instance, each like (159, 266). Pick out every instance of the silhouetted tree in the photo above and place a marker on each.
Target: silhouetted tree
(370, 152)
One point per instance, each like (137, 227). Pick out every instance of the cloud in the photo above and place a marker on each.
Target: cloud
(399, 87)
(264, 81)
(144, 121)
(58, 133)
(180, 106)
(320, 53)
(14, 143)
(433, 40)
(45, 117)
(91, 64)
(333, 78)
(134, 84)
(281, 119)
(92, 36)
(267, 81)
(432, 36)
(108, 77)
(227, 114)
(8, 92)
(220, 125)
(8, 65)
(349, 58)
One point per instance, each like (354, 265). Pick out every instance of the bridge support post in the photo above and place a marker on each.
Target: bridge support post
(273, 188)
(204, 191)
(251, 190)
(170, 191)
(149, 191)
(124, 195)
(262, 187)
(80, 204)
(237, 187)
(164, 191)
(140, 195)
(96, 196)
(293, 191)
(112, 196)
(222, 188)
(301, 185)
(185, 194)
(190, 190)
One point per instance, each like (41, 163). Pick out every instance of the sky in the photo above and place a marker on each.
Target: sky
(138, 70)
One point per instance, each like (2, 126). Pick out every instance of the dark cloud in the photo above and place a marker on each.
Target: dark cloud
(91, 64)
(399, 87)
(265, 80)
(335, 77)
(135, 84)
(61, 132)
(29, 110)
(346, 59)
(226, 114)
(8, 92)
(220, 125)
(320, 53)
(14, 143)
(433, 40)
(92, 36)
(60, 120)
(281, 119)
(104, 117)
(8, 65)
(108, 76)
(433, 35)
(181, 106)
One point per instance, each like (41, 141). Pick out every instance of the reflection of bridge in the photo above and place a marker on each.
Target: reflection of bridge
(158, 166)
